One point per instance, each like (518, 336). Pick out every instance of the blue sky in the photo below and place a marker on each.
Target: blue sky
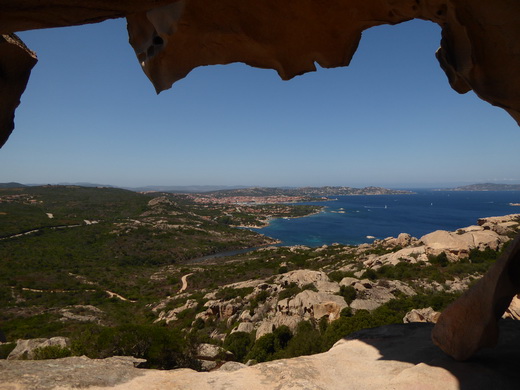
(89, 114)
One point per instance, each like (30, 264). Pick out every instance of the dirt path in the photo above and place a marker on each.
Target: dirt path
(184, 281)
(111, 294)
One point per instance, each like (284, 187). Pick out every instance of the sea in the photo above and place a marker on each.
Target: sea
(354, 220)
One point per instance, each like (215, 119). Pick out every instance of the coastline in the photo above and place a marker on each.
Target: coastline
(271, 218)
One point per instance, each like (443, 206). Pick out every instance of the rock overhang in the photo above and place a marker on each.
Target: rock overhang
(480, 47)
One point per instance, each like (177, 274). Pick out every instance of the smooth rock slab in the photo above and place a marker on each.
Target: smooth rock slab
(389, 357)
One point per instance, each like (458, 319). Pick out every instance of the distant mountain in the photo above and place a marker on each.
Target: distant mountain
(183, 189)
(11, 185)
(486, 187)
(308, 191)
(86, 184)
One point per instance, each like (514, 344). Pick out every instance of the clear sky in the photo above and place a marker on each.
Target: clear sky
(89, 114)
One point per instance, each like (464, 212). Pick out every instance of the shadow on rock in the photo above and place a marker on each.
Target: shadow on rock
(495, 368)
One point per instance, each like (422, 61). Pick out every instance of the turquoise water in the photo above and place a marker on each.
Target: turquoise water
(388, 215)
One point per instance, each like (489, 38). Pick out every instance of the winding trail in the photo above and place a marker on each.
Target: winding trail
(40, 229)
(184, 281)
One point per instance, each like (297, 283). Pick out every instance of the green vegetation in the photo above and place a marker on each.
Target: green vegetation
(293, 289)
(439, 269)
(349, 293)
(239, 343)
(162, 347)
(5, 349)
(51, 352)
(229, 293)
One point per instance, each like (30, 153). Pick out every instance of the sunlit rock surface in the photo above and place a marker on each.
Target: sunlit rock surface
(390, 357)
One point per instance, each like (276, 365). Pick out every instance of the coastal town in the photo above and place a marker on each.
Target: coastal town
(249, 200)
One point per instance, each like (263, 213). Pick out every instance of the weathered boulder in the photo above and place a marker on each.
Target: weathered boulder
(303, 277)
(462, 242)
(371, 295)
(25, 348)
(311, 304)
(232, 366)
(411, 255)
(207, 351)
(246, 327)
(502, 225)
(402, 240)
(290, 312)
(513, 311)
(171, 315)
(210, 356)
(81, 313)
(264, 328)
(421, 315)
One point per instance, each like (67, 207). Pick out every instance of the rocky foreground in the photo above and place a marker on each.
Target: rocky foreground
(317, 296)
(389, 357)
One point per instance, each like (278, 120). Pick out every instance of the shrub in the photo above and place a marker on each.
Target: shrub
(263, 349)
(306, 341)
(370, 274)
(441, 259)
(272, 345)
(162, 347)
(349, 293)
(5, 349)
(239, 343)
(282, 336)
(258, 299)
(310, 286)
(337, 276)
(229, 293)
(51, 352)
(488, 255)
(289, 291)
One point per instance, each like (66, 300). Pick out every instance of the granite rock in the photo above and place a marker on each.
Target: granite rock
(396, 357)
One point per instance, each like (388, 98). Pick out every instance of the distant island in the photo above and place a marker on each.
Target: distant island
(12, 185)
(307, 191)
(485, 187)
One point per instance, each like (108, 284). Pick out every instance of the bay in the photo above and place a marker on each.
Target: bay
(350, 219)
